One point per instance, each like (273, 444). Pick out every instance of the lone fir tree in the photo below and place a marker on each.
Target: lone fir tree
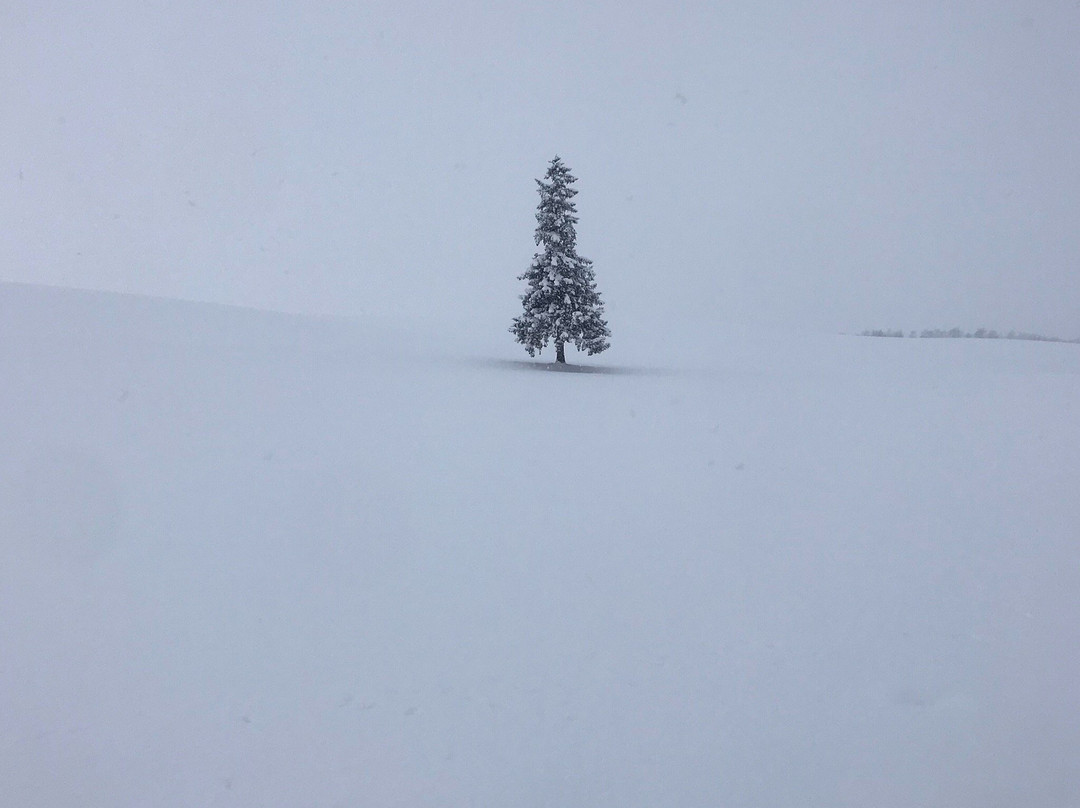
(561, 304)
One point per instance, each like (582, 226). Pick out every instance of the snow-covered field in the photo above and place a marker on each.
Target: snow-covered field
(252, 559)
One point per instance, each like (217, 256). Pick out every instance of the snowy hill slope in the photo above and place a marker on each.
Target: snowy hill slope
(249, 559)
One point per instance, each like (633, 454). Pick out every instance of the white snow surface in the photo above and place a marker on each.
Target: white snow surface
(259, 560)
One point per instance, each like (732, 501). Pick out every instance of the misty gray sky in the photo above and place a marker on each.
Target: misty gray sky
(832, 165)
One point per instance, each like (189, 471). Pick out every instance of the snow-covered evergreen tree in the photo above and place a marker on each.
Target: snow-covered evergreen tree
(561, 304)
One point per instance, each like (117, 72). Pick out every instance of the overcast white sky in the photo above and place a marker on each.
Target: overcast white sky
(831, 165)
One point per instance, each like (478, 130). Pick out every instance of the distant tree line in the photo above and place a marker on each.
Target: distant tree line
(957, 333)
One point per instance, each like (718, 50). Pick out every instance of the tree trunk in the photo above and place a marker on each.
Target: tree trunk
(560, 356)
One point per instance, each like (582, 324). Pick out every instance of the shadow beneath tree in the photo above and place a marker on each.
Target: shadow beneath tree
(557, 367)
